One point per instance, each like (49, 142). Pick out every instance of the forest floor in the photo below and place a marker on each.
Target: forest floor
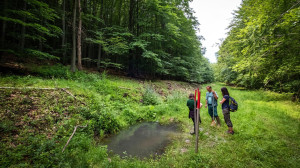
(36, 123)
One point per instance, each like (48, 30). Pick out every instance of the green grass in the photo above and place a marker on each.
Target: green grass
(267, 127)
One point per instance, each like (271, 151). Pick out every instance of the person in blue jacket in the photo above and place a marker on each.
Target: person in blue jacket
(211, 99)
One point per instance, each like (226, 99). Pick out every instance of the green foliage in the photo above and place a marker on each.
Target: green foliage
(63, 72)
(112, 103)
(262, 47)
(152, 39)
(35, 21)
(39, 54)
(150, 97)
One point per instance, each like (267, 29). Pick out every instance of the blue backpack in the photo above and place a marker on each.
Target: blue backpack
(233, 105)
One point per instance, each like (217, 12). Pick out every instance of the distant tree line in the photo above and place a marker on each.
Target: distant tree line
(149, 38)
(262, 49)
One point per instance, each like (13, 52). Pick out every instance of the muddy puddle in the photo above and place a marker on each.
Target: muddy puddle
(142, 140)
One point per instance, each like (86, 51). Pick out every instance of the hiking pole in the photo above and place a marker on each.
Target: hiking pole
(213, 108)
(197, 120)
(213, 104)
(195, 111)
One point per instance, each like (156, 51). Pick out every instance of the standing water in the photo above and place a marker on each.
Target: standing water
(142, 140)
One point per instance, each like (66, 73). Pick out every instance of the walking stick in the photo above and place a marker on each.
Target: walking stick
(195, 115)
(213, 108)
(213, 104)
(197, 120)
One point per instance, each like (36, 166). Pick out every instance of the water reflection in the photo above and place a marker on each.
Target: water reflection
(142, 140)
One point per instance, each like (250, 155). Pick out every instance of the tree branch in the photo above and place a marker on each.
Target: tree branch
(73, 135)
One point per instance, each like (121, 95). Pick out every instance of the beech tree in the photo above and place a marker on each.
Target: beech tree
(144, 38)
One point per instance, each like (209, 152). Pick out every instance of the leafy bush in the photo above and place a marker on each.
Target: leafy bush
(57, 71)
(150, 97)
(63, 72)
(130, 116)
(100, 121)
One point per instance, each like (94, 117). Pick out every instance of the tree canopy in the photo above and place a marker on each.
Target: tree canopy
(145, 38)
(262, 47)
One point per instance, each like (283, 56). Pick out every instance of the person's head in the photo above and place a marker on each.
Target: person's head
(191, 96)
(224, 91)
(208, 88)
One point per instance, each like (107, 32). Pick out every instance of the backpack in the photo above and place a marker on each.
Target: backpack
(233, 105)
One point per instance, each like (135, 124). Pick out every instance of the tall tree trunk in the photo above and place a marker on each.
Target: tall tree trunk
(100, 46)
(79, 64)
(131, 63)
(63, 46)
(119, 14)
(3, 26)
(40, 44)
(112, 9)
(99, 56)
(137, 35)
(89, 54)
(23, 31)
(73, 60)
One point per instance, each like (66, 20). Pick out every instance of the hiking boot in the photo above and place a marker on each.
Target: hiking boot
(218, 122)
(230, 132)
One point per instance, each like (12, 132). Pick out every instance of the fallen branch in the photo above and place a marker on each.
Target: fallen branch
(72, 135)
(31, 88)
(124, 88)
(63, 89)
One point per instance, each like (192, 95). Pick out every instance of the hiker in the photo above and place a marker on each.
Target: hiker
(190, 104)
(225, 109)
(211, 101)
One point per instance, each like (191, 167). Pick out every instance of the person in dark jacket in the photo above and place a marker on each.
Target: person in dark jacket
(191, 104)
(225, 109)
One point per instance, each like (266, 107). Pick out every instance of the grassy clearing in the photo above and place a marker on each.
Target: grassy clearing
(35, 125)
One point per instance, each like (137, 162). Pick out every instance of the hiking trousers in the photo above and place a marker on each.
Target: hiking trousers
(226, 114)
(212, 111)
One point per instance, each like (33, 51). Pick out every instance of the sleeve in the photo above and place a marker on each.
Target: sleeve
(226, 97)
(206, 96)
(216, 94)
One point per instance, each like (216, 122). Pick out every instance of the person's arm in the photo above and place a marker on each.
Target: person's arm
(222, 101)
(215, 95)
(206, 100)
(200, 105)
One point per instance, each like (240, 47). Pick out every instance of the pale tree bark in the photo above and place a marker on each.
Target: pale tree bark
(79, 64)
(73, 60)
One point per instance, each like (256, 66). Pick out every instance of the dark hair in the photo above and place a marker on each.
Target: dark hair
(191, 95)
(208, 86)
(224, 91)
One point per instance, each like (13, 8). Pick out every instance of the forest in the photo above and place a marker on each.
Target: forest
(144, 38)
(262, 48)
(77, 75)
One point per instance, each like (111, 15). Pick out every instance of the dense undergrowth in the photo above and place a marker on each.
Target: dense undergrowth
(36, 124)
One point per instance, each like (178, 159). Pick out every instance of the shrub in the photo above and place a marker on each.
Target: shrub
(150, 97)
